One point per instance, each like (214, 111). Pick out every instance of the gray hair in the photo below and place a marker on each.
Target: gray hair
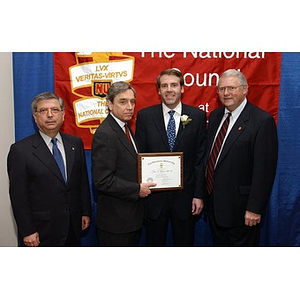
(233, 72)
(117, 88)
(45, 96)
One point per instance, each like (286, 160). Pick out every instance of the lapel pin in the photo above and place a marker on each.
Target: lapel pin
(240, 128)
(73, 148)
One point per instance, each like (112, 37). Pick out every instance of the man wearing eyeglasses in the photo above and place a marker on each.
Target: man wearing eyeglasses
(241, 157)
(49, 187)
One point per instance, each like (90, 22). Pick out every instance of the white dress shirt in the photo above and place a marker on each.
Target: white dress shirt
(122, 125)
(60, 146)
(177, 115)
(233, 118)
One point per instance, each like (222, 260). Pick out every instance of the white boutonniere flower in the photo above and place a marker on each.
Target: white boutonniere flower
(185, 120)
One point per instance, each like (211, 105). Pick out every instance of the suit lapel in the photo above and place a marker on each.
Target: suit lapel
(133, 137)
(238, 127)
(181, 130)
(214, 125)
(42, 152)
(158, 120)
(70, 154)
(121, 135)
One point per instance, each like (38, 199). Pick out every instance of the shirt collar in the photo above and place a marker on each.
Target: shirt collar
(121, 123)
(178, 109)
(48, 139)
(235, 113)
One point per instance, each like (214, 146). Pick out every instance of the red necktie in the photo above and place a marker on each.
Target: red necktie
(127, 133)
(215, 153)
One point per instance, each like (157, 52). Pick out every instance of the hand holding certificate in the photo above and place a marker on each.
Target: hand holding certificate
(164, 169)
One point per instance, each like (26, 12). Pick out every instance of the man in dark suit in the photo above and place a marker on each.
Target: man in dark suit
(177, 206)
(241, 169)
(120, 207)
(51, 207)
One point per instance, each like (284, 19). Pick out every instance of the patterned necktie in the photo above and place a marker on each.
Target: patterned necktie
(58, 157)
(215, 153)
(171, 130)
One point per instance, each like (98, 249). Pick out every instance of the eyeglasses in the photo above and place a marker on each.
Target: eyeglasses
(230, 89)
(44, 111)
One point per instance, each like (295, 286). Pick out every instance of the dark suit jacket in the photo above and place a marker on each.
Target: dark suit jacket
(191, 140)
(114, 168)
(41, 200)
(246, 168)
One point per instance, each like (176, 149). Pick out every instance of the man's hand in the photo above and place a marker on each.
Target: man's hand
(85, 222)
(251, 218)
(197, 206)
(144, 189)
(32, 240)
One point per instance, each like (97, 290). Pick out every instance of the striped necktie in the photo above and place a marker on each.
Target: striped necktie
(214, 154)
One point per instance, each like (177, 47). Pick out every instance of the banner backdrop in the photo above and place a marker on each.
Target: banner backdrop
(82, 79)
(273, 80)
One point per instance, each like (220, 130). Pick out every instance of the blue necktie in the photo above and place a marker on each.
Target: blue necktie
(58, 157)
(171, 130)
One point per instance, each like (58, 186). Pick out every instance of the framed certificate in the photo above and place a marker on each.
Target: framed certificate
(165, 169)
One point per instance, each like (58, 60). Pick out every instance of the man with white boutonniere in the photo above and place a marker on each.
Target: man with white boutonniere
(173, 126)
(185, 120)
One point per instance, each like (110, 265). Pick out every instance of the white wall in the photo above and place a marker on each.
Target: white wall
(8, 235)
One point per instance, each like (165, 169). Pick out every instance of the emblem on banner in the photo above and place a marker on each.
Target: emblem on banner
(100, 88)
(91, 78)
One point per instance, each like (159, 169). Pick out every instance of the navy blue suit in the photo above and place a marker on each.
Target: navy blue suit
(245, 171)
(41, 200)
(191, 140)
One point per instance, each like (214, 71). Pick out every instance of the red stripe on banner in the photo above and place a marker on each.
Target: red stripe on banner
(82, 80)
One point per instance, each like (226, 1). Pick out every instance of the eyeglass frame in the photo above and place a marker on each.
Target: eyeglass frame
(233, 89)
(54, 111)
